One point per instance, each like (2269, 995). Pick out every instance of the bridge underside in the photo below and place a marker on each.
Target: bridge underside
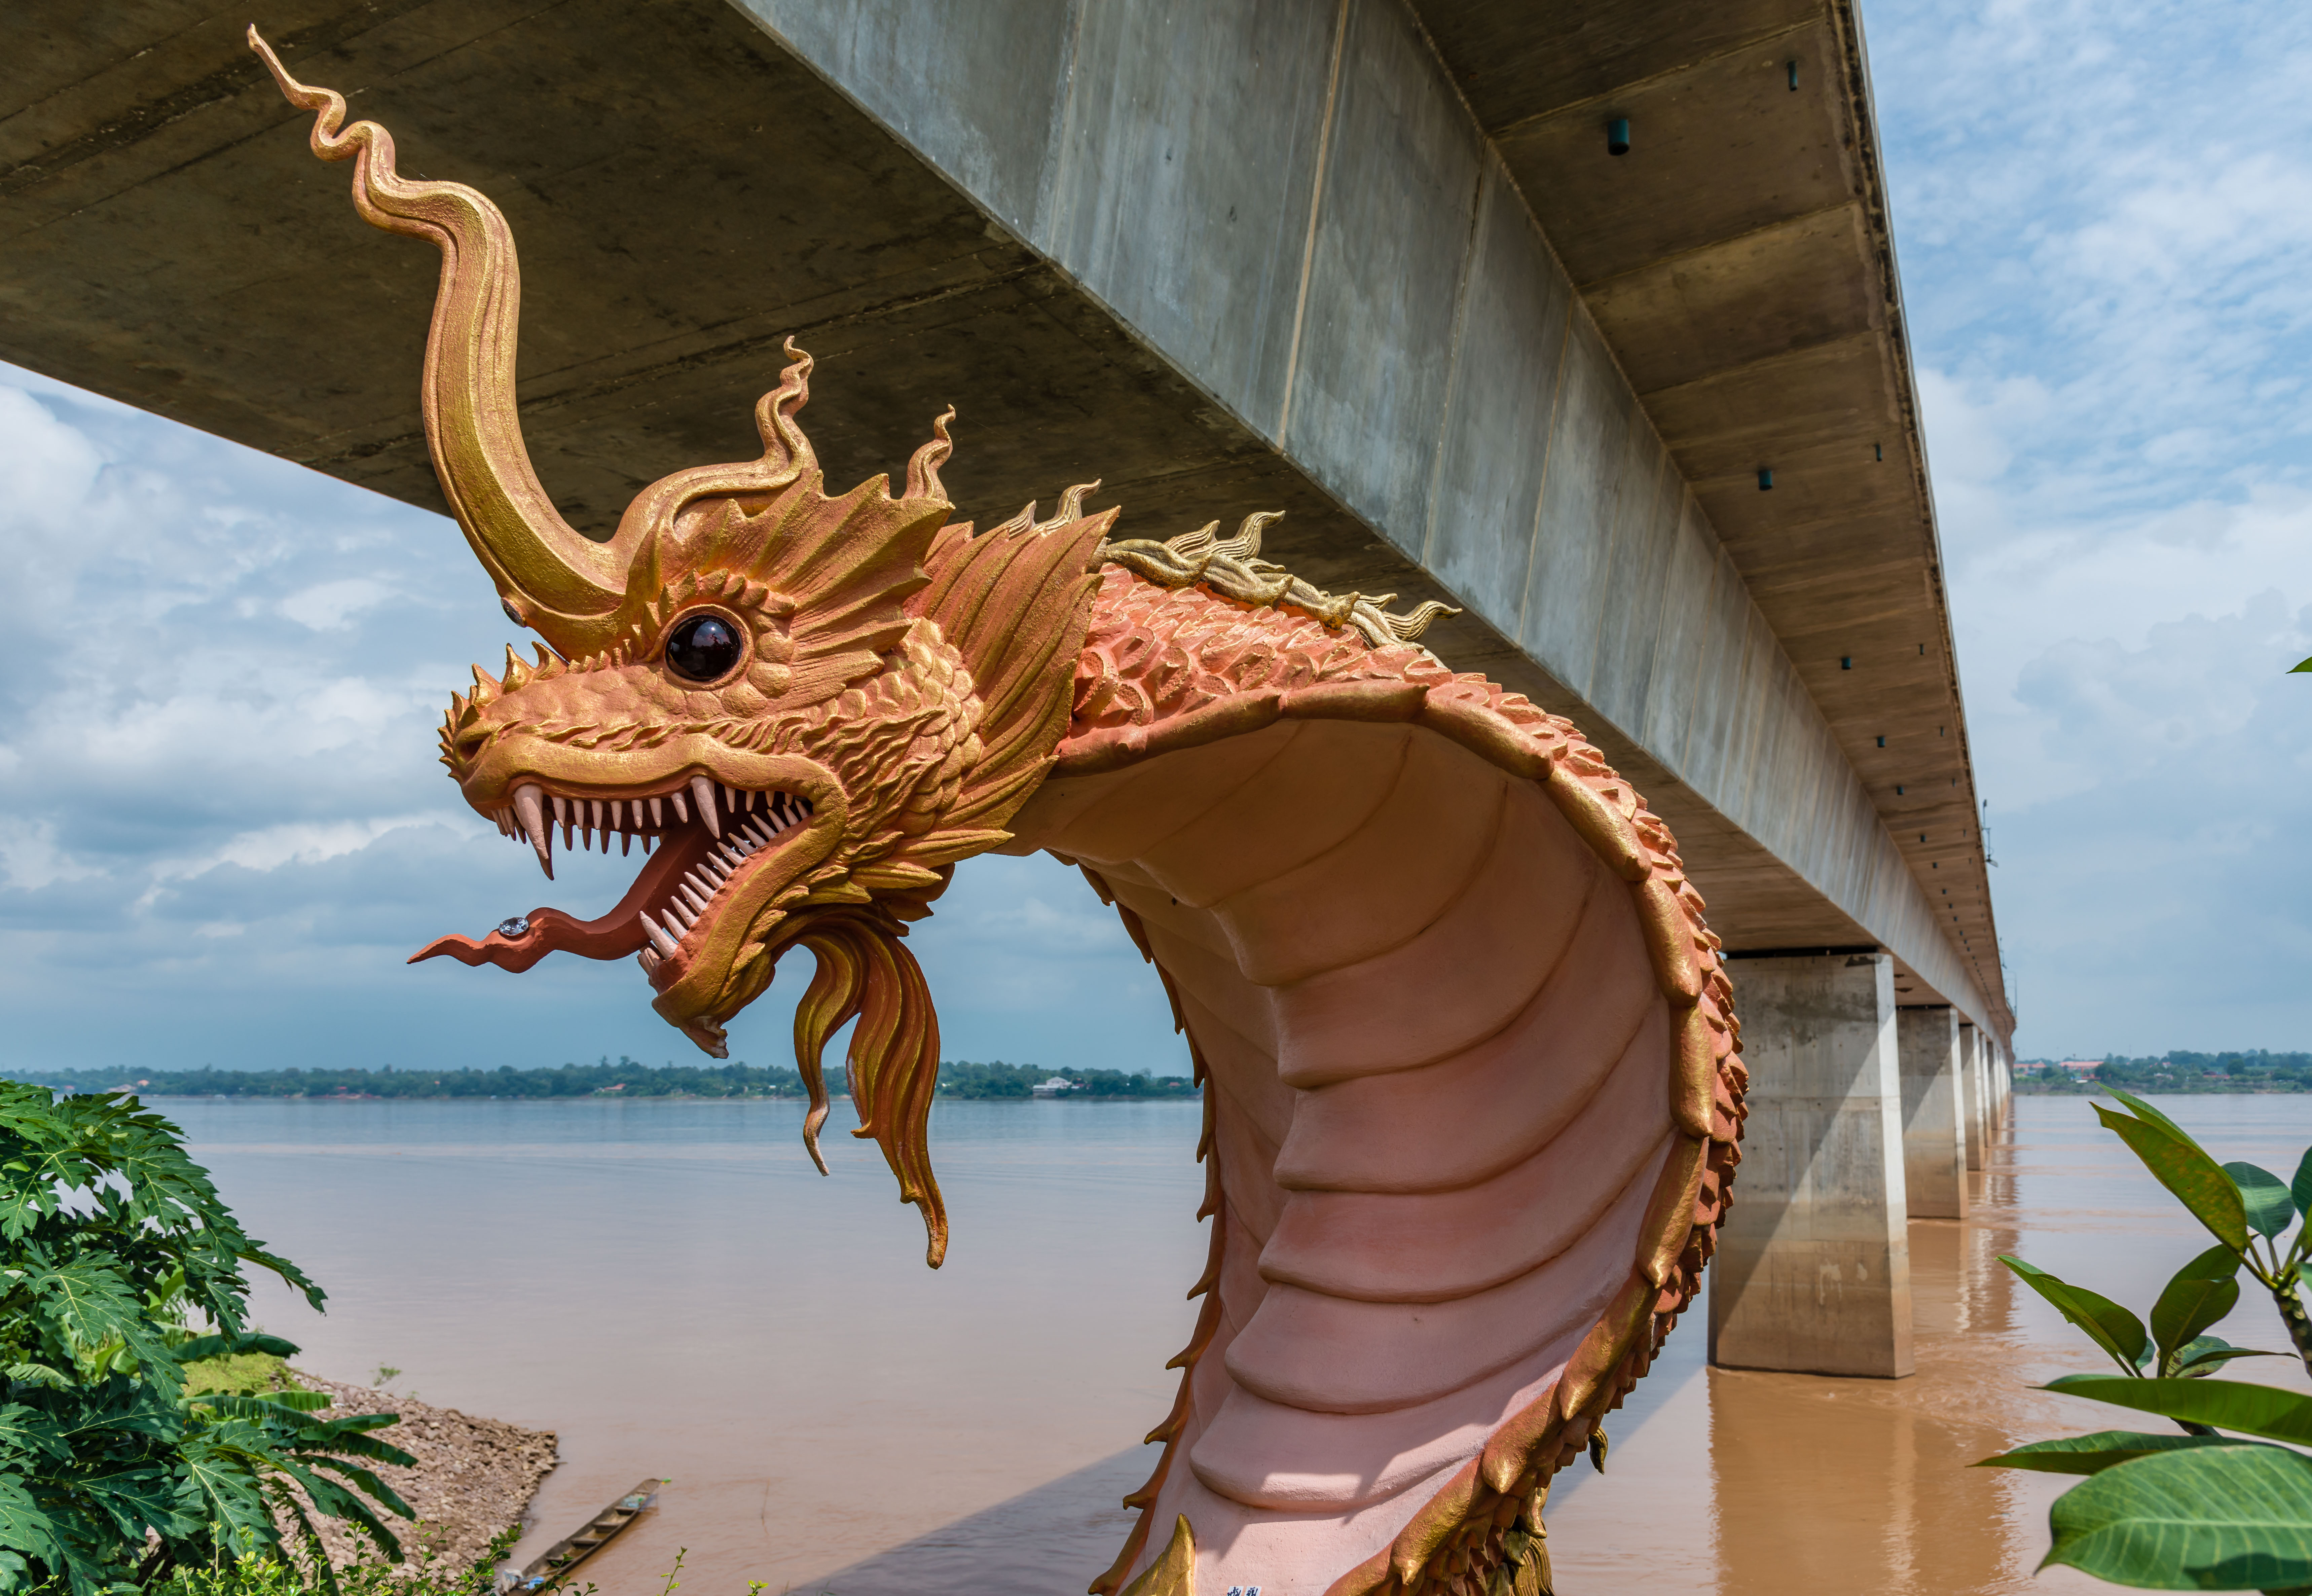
(689, 190)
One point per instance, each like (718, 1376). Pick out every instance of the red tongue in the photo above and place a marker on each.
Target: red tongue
(613, 936)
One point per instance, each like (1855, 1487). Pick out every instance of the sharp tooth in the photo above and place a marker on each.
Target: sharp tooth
(761, 833)
(528, 804)
(753, 798)
(681, 810)
(625, 843)
(650, 841)
(663, 940)
(648, 959)
(703, 791)
(598, 820)
(691, 896)
(679, 913)
(692, 878)
(658, 815)
(561, 809)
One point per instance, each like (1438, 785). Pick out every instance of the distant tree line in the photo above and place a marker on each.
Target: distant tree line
(624, 1078)
(2255, 1070)
(956, 1079)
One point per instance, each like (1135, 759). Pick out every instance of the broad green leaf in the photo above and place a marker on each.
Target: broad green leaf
(212, 1346)
(2091, 1454)
(2263, 1410)
(226, 1488)
(92, 1303)
(25, 1430)
(2202, 1293)
(2200, 1356)
(272, 1406)
(2144, 1111)
(2299, 1190)
(138, 1497)
(2211, 1518)
(2181, 1165)
(369, 1482)
(2112, 1326)
(2270, 1207)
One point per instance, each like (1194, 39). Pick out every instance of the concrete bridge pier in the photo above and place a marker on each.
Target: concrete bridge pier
(1976, 1065)
(1813, 1270)
(1934, 1146)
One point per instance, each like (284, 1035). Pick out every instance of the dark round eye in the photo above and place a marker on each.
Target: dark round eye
(703, 647)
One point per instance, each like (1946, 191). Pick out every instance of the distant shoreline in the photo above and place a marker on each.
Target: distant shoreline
(627, 1079)
(834, 1088)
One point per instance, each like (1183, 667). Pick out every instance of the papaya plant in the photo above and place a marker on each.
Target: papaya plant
(111, 1476)
(2227, 1503)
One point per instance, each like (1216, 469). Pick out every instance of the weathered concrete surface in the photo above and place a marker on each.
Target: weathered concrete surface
(1813, 1270)
(1934, 1098)
(1977, 1062)
(1326, 256)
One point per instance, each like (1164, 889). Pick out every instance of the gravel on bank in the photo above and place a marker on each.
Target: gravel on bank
(473, 1477)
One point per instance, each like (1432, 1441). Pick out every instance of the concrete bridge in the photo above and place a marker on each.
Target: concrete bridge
(1648, 418)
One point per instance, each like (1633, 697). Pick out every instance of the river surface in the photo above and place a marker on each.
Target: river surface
(673, 1289)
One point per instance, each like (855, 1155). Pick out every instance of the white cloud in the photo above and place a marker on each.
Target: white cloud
(31, 859)
(308, 842)
(2104, 207)
(326, 605)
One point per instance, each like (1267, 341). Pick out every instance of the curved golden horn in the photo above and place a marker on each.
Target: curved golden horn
(549, 576)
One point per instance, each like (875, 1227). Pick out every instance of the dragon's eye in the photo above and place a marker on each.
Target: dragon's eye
(703, 647)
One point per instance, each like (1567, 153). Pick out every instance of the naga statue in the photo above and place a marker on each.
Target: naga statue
(1471, 1085)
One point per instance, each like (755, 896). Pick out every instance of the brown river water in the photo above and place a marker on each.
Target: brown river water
(673, 1289)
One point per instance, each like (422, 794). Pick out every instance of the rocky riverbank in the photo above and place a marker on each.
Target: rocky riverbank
(473, 1477)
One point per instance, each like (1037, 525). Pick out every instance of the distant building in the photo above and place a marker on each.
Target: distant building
(1052, 1088)
(2080, 1066)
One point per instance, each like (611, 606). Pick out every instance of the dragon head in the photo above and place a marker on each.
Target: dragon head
(806, 709)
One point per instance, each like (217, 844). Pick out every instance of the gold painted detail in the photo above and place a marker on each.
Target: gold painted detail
(1175, 1573)
(1232, 567)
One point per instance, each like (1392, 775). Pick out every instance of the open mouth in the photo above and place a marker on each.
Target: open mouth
(702, 838)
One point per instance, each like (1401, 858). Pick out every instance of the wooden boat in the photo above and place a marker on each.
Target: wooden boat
(554, 1566)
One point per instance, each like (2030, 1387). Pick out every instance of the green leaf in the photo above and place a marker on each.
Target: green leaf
(2183, 1166)
(2202, 1293)
(2146, 1111)
(215, 1346)
(2299, 1190)
(26, 1431)
(24, 1527)
(2213, 1518)
(2303, 665)
(2200, 1357)
(2091, 1454)
(2111, 1327)
(2263, 1410)
(2270, 1207)
(138, 1496)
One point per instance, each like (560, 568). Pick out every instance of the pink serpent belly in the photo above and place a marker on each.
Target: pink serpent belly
(1441, 1054)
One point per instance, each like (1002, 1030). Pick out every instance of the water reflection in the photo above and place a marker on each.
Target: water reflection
(671, 1288)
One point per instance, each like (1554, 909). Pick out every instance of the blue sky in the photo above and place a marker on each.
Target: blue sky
(221, 829)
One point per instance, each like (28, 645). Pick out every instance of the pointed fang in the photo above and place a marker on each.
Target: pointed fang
(704, 791)
(527, 804)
